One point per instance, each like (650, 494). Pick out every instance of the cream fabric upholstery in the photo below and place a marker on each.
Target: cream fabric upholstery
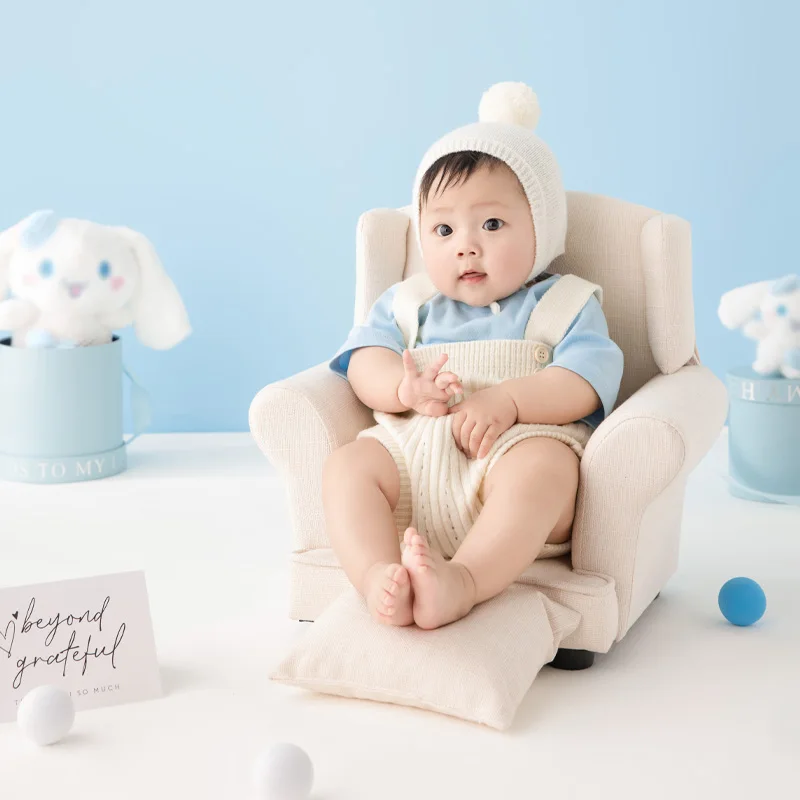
(478, 669)
(633, 474)
(627, 530)
(317, 580)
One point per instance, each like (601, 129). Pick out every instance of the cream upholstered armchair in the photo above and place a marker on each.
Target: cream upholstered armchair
(670, 410)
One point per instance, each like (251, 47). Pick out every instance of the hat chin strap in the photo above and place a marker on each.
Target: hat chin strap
(535, 273)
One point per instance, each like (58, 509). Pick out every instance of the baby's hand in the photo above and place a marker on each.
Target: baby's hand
(481, 419)
(429, 392)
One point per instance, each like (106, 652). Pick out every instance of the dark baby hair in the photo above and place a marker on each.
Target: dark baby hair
(453, 169)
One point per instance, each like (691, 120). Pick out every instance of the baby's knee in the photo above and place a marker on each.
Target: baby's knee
(341, 461)
(361, 460)
(535, 469)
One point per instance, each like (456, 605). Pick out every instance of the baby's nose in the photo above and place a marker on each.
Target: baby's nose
(470, 249)
(467, 244)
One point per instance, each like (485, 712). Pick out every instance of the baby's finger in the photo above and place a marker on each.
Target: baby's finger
(408, 364)
(476, 437)
(445, 379)
(433, 370)
(466, 432)
(458, 421)
(490, 437)
(439, 394)
(456, 388)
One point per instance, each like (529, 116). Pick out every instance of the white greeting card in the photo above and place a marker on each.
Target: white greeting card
(93, 637)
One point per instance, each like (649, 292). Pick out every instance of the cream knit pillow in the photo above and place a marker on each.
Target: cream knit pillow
(478, 669)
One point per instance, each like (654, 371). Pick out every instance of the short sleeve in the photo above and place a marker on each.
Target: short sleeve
(378, 330)
(588, 350)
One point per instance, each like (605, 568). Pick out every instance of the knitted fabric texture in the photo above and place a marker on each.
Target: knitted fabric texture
(440, 488)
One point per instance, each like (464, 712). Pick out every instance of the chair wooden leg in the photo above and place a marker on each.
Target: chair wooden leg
(572, 659)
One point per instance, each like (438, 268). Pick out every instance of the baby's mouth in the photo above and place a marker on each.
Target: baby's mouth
(472, 276)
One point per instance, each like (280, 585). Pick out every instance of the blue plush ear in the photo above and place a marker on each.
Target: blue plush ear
(786, 285)
(39, 227)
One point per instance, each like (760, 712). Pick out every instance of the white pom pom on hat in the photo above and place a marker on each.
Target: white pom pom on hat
(508, 114)
(510, 103)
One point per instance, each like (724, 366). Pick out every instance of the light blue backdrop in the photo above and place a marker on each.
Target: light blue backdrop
(245, 137)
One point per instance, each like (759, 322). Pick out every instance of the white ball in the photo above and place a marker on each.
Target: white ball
(284, 772)
(510, 103)
(46, 714)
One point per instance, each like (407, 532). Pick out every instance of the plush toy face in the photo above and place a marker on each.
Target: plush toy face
(780, 308)
(81, 277)
(79, 269)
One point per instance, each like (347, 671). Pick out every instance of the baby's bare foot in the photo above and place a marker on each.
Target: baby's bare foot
(387, 590)
(443, 590)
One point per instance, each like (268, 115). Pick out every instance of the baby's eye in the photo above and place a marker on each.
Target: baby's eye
(443, 230)
(104, 270)
(46, 268)
(493, 224)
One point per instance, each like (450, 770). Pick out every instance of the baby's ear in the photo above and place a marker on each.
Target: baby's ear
(159, 316)
(30, 232)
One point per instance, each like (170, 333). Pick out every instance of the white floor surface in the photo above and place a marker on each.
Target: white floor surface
(686, 706)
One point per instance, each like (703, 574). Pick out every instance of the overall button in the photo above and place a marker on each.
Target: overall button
(541, 354)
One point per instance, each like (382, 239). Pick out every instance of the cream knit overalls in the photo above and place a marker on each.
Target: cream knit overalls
(440, 488)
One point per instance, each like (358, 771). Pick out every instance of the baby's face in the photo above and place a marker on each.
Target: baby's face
(477, 238)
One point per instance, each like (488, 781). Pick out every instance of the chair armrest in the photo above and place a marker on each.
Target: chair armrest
(633, 477)
(296, 423)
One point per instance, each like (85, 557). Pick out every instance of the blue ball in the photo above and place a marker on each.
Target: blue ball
(742, 601)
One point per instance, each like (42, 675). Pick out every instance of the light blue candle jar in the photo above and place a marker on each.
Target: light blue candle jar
(61, 413)
(764, 437)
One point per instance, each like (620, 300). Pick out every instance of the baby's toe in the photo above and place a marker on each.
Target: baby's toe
(389, 588)
(399, 576)
(387, 604)
(421, 559)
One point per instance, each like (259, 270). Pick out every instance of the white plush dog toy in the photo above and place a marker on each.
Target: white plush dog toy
(768, 311)
(73, 282)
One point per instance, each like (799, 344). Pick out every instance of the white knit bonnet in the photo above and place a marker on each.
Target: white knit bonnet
(508, 114)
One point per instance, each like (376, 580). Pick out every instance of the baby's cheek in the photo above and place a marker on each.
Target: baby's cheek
(117, 283)
(30, 280)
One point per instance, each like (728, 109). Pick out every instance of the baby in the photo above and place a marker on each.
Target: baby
(487, 376)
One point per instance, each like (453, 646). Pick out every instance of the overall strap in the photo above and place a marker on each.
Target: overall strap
(411, 294)
(558, 307)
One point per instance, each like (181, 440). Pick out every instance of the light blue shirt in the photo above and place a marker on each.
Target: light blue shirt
(586, 348)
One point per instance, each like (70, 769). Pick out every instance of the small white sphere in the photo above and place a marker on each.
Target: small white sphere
(284, 772)
(46, 714)
(511, 103)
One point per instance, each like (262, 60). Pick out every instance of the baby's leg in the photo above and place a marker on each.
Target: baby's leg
(360, 489)
(530, 499)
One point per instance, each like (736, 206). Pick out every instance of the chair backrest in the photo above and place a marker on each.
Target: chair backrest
(641, 258)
